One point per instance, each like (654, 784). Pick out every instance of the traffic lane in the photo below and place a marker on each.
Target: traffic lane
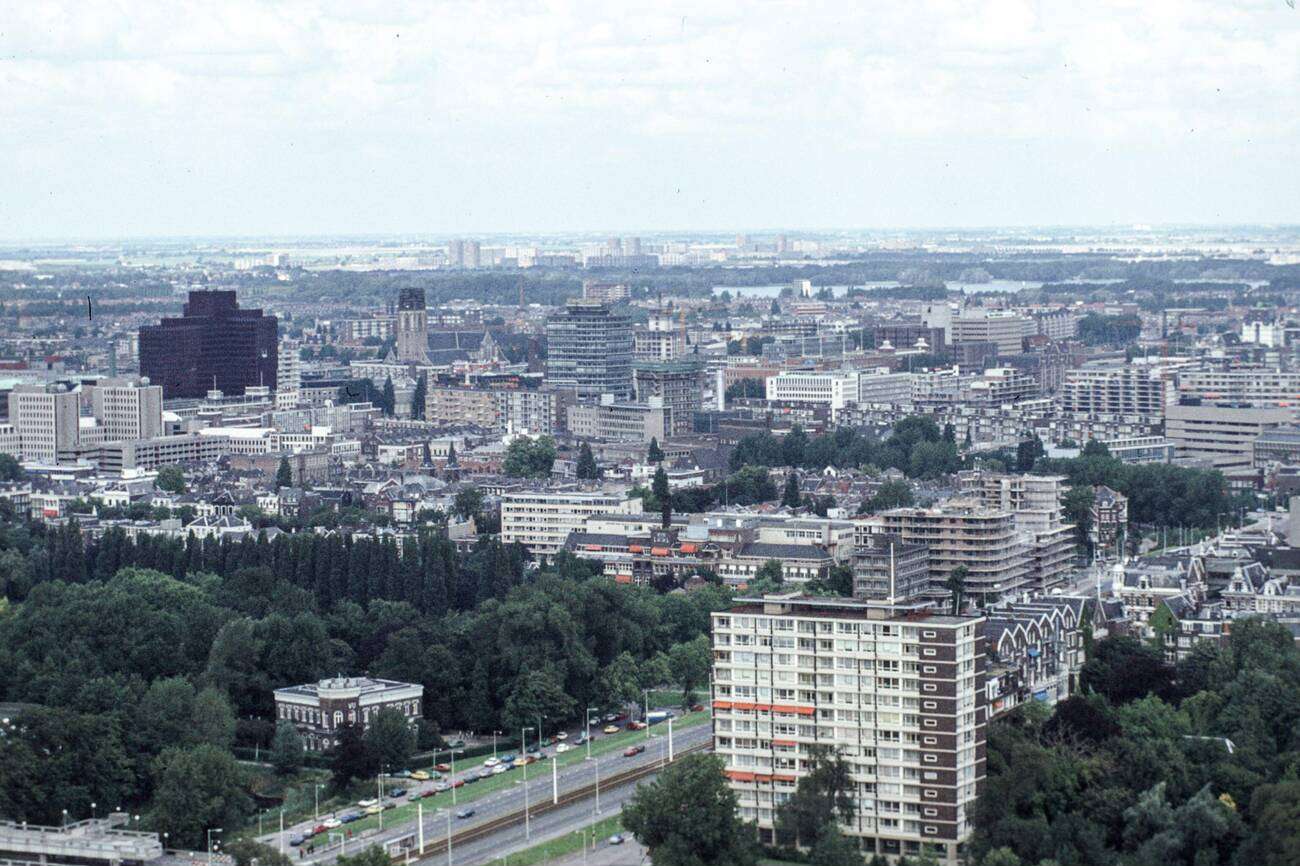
(512, 799)
(685, 737)
(545, 827)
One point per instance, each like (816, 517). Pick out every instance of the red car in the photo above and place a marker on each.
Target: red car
(637, 726)
(442, 768)
(459, 783)
(695, 708)
(633, 751)
(320, 828)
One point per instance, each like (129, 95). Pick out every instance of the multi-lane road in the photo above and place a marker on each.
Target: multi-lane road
(439, 810)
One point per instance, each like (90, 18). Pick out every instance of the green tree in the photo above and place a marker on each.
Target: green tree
(1077, 508)
(10, 469)
(586, 467)
(286, 749)
(390, 739)
(891, 494)
(195, 789)
(833, 848)
(389, 397)
(790, 496)
(468, 503)
(350, 759)
(1275, 811)
(794, 447)
(822, 797)
(770, 571)
(283, 474)
(690, 662)
(620, 681)
(537, 693)
(171, 479)
(1027, 453)
(663, 495)
(213, 720)
(419, 396)
(246, 852)
(530, 458)
(956, 586)
(687, 817)
(654, 454)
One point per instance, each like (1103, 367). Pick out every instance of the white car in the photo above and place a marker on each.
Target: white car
(562, 735)
(491, 762)
(499, 769)
(561, 748)
(366, 804)
(331, 823)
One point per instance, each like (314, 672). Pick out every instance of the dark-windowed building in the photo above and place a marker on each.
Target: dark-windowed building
(213, 344)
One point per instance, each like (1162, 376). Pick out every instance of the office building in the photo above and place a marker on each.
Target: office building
(898, 694)
(213, 345)
(1001, 385)
(616, 421)
(412, 327)
(47, 421)
(838, 388)
(963, 532)
(318, 710)
(678, 384)
(542, 520)
(126, 409)
(1224, 436)
(1006, 330)
(589, 351)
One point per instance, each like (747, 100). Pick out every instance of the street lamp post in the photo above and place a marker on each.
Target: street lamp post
(210, 832)
(646, 717)
(494, 743)
(523, 739)
(587, 734)
(379, 788)
(316, 794)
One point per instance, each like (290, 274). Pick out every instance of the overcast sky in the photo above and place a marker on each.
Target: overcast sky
(240, 118)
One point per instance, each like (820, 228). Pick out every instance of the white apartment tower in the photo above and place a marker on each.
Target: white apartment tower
(47, 421)
(127, 410)
(898, 694)
(288, 375)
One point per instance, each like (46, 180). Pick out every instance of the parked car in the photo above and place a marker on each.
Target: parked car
(508, 758)
(420, 776)
(367, 803)
(459, 783)
(374, 810)
(440, 787)
(471, 778)
(697, 708)
(500, 768)
(491, 762)
(562, 735)
(611, 717)
(297, 839)
(442, 768)
(616, 839)
(415, 795)
(637, 726)
(397, 792)
(349, 817)
(536, 754)
(611, 729)
(633, 751)
(330, 824)
(465, 813)
(562, 748)
(456, 744)
(520, 762)
(581, 740)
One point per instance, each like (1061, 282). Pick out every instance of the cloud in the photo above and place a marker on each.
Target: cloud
(713, 85)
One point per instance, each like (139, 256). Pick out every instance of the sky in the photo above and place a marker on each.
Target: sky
(125, 119)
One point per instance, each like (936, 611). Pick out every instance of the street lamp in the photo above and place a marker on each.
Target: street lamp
(523, 740)
(587, 734)
(210, 846)
(646, 718)
(495, 734)
(316, 794)
(92, 809)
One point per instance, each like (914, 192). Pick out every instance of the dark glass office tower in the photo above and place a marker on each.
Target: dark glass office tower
(214, 344)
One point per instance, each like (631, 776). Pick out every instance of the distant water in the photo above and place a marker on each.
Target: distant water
(840, 291)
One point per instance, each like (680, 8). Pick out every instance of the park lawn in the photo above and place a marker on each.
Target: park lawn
(469, 793)
(566, 844)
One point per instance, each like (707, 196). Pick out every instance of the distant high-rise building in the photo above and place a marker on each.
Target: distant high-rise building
(412, 327)
(782, 244)
(631, 246)
(473, 254)
(288, 376)
(679, 384)
(213, 344)
(456, 253)
(662, 340)
(605, 293)
(590, 350)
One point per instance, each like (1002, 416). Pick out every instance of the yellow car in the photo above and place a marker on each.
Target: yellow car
(374, 810)
(420, 776)
(611, 729)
